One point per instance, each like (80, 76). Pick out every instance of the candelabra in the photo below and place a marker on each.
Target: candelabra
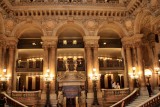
(4, 78)
(134, 76)
(48, 78)
(148, 74)
(94, 77)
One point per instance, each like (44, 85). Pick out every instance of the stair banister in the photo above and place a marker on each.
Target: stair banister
(127, 99)
(151, 102)
(11, 101)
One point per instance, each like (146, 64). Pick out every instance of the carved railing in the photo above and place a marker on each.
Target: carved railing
(27, 97)
(152, 102)
(127, 99)
(111, 96)
(12, 102)
(115, 92)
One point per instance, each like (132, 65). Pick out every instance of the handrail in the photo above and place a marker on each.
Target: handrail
(126, 99)
(12, 101)
(151, 102)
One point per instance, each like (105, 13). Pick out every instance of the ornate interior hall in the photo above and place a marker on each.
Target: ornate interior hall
(79, 53)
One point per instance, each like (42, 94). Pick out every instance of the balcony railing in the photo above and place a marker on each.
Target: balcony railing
(30, 98)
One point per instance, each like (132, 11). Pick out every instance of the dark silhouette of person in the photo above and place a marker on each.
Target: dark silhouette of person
(149, 89)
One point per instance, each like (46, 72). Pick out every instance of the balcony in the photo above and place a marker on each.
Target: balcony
(29, 66)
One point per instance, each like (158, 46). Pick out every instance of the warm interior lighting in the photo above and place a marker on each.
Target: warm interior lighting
(148, 72)
(4, 77)
(94, 76)
(133, 68)
(64, 42)
(74, 42)
(33, 43)
(48, 76)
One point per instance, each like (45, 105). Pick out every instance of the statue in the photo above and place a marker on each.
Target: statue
(83, 98)
(60, 98)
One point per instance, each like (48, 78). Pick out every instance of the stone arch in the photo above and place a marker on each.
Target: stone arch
(1, 24)
(140, 16)
(157, 19)
(23, 26)
(115, 26)
(77, 26)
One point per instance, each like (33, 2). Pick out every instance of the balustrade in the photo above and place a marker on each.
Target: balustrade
(111, 96)
(12, 102)
(27, 97)
(127, 99)
(152, 102)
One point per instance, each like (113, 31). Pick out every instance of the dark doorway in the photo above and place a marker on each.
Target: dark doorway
(71, 102)
(37, 83)
(102, 82)
(109, 82)
(29, 83)
(122, 81)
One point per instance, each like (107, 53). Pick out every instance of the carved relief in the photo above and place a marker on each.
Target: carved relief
(49, 24)
(9, 24)
(91, 24)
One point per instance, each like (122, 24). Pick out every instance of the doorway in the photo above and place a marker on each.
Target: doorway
(71, 102)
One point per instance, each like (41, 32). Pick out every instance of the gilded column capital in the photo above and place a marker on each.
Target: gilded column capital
(12, 42)
(49, 41)
(91, 41)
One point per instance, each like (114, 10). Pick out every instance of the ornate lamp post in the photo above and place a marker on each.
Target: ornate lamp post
(134, 76)
(148, 74)
(48, 78)
(4, 78)
(94, 77)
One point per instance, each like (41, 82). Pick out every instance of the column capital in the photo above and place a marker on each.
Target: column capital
(91, 41)
(12, 42)
(49, 41)
(132, 41)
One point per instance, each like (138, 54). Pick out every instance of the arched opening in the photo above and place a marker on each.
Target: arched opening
(70, 62)
(111, 63)
(29, 59)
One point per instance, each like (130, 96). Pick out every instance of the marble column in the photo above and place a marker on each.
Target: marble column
(89, 66)
(1, 62)
(96, 64)
(45, 60)
(129, 63)
(156, 65)
(140, 67)
(45, 66)
(10, 69)
(52, 66)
